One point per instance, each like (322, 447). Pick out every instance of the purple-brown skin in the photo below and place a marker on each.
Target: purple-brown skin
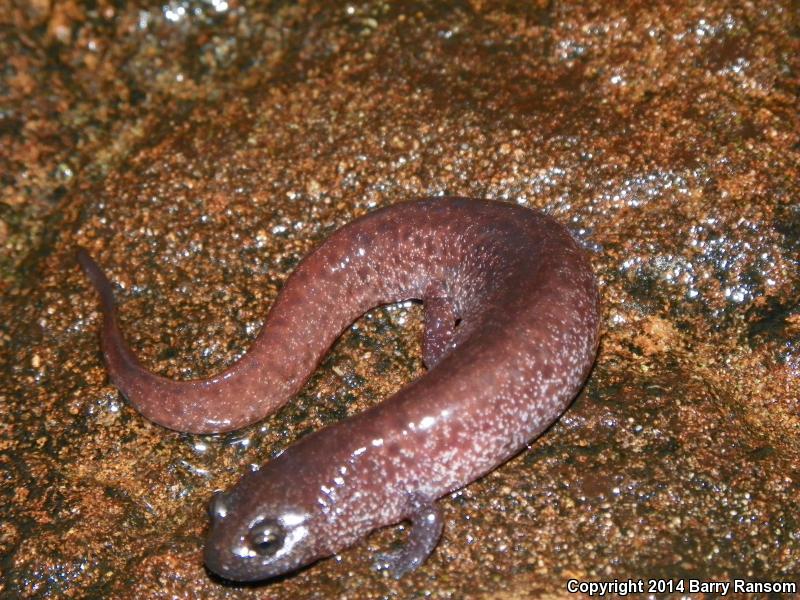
(511, 332)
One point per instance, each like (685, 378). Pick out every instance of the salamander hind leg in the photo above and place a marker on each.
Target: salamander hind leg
(426, 529)
(440, 325)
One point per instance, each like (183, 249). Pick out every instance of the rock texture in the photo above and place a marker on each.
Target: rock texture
(200, 149)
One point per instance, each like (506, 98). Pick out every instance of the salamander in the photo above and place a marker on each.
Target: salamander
(511, 327)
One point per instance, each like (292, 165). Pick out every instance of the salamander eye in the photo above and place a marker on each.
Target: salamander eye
(266, 537)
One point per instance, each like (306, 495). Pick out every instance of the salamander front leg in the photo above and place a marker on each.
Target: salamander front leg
(426, 529)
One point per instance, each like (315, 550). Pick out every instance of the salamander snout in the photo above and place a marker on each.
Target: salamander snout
(257, 547)
(261, 528)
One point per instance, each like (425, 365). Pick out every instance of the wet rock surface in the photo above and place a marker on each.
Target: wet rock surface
(199, 150)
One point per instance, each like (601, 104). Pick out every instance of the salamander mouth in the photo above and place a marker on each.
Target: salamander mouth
(227, 565)
(222, 560)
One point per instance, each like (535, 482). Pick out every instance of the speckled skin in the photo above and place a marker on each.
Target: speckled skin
(528, 308)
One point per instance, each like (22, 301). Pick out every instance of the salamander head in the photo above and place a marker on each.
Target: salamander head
(263, 528)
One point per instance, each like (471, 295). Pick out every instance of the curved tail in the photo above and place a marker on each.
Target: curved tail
(114, 345)
(219, 403)
(343, 278)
